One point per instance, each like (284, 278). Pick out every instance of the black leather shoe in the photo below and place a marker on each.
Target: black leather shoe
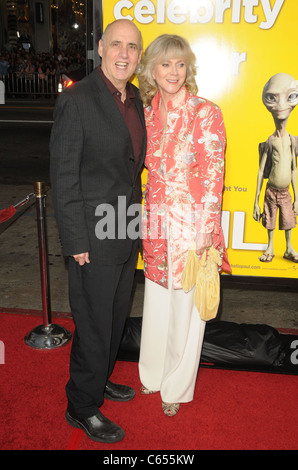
(97, 427)
(117, 392)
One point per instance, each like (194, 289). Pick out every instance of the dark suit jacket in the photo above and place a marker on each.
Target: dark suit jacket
(92, 163)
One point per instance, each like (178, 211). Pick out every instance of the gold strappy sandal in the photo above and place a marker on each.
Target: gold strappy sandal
(145, 391)
(170, 409)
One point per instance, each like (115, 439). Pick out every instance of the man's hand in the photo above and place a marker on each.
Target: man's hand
(82, 258)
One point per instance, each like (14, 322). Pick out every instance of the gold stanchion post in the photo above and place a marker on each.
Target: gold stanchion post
(48, 335)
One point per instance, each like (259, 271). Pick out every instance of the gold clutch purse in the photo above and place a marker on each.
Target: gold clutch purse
(203, 273)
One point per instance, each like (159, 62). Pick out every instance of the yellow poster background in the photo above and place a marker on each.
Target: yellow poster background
(239, 45)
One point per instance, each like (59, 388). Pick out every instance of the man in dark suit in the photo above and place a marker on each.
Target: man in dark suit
(98, 145)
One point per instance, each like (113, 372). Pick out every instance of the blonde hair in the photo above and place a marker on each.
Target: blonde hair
(166, 46)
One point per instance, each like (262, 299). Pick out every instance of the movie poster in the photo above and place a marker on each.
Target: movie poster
(240, 45)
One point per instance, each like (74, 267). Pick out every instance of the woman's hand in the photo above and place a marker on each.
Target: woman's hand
(203, 241)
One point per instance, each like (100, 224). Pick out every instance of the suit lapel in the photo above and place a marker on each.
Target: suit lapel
(140, 109)
(107, 103)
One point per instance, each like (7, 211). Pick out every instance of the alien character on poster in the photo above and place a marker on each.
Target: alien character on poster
(278, 163)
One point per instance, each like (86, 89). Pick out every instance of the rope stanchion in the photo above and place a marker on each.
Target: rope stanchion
(6, 214)
(48, 335)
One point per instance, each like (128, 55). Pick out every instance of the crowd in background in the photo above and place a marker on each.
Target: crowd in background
(25, 71)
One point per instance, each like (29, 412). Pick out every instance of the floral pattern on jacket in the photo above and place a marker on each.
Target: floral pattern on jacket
(185, 163)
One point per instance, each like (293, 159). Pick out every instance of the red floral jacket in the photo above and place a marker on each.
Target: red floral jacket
(185, 163)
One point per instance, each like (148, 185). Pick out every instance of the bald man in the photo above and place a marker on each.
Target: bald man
(98, 144)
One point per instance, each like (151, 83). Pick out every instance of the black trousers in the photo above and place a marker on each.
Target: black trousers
(99, 300)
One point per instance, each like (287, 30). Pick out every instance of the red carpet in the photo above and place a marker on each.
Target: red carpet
(231, 409)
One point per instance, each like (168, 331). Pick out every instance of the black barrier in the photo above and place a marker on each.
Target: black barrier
(229, 345)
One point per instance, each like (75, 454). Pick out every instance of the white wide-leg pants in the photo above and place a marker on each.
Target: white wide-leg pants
(171, 342)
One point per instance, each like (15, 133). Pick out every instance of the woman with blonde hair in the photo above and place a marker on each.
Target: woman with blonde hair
(185, 163)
